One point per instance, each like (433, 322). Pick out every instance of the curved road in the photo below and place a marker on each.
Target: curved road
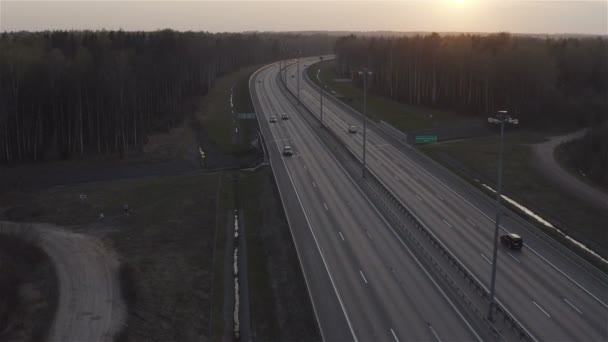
(380, 290)
(90, 307)
(545, 157)
(551, 295)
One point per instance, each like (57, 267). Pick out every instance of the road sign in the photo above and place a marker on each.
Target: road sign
(426, 139)
(246, 116)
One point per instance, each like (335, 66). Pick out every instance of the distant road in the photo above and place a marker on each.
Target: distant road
(545, 157)
(554, 294)
(364, 283)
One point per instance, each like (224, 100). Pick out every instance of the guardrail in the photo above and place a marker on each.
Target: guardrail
(397, 134)
(558, 247)
(530, 228)
(395, 210)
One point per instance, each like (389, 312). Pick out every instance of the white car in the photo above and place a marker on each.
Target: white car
(287, 151)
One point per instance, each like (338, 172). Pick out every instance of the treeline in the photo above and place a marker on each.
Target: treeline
(66, 94)
(541, 81)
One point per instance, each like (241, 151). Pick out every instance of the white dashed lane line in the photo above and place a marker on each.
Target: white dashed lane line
(362, 276)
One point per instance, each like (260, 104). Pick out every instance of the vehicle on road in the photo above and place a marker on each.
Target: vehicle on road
(287, 151)
(511, 240)
(273, 119)
(352, 129)
(284, 116)
(292, 76)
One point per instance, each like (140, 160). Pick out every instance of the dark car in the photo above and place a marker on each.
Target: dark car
(284, 116)
(513, 241)
(287, 151)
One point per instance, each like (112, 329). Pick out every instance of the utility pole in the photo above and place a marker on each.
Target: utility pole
(321, 86)
(501, 118)
(365, 73)
(321, 94)
(298, 61)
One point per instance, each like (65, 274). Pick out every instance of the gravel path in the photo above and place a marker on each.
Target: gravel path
(90, 307)
(546, 163)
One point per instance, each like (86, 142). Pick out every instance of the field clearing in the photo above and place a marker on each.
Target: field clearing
(402, 116)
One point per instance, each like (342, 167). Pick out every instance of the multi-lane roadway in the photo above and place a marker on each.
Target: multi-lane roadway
(364, 282)
(547, 290)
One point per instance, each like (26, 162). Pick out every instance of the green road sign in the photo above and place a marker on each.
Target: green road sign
(426, 139)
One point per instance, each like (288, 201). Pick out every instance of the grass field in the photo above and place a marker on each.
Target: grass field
(281, 308)
(172, 244)
(402, 116)
(165, 242)
(215, 114)
(478, 158)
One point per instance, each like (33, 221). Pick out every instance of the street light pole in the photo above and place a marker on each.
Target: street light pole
(321, 94)
(365, 73)
(298, 71)
(501, 119)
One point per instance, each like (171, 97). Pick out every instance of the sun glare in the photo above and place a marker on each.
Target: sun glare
(458, 2)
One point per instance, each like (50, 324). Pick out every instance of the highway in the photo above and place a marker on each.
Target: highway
(365, 284)
(546, 289)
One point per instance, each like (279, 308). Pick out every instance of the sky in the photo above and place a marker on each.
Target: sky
(553, 17)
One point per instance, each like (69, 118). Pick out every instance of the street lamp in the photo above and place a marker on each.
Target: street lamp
(365, 73)
(321, 86)
(298, 71)
(501, 118)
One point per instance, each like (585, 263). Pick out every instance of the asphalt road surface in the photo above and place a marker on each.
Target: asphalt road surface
(546, 162)
(544, 287)
(364, 282)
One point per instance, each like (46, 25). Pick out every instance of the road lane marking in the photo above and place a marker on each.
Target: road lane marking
(488, 260)
(394, 335)
(511, 255)
(331, 278)
(492, 220)
(397, 178)
(426, 272)
(574, 307)
(448, 223)
(440, 198)
(420, 198)
(471, 222)
(541, 309)
(325, 205)
(369, 235)
(314, 184)
(362, 276)
(341, 236)
(305, 169)
(433, 331)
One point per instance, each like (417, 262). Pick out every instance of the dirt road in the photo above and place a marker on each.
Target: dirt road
(89, 306)
(546, 163)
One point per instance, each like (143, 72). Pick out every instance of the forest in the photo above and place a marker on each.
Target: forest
(546, 83)
(68, 94)
(540, 81)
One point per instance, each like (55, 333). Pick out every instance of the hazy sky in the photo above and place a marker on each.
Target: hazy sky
(589, 17)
